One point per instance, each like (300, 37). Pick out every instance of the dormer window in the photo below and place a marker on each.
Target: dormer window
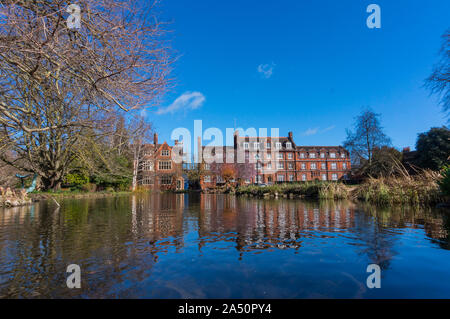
(333, 155)
(289, 145)
(245, 146)
(322, 155)
(165, 153)
(302, 155)
(278, 145)
(312, 155)
(342, 155)
(256, 146)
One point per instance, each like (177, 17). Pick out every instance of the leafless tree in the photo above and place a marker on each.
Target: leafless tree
(439, 81)
(59, 86)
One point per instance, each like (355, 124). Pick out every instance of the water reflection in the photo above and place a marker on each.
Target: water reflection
(165, 245)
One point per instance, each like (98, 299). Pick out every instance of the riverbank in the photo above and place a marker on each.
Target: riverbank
(418, 190)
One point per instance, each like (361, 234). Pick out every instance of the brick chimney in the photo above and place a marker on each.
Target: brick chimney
(236, 137)
(199, 150)
(291, 136)
(406, 150)
(155, 138)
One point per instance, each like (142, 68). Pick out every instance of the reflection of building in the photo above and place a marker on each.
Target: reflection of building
(258, 224)
(159, 170)
(280, 160)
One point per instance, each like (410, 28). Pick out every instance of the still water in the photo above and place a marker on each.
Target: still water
(218, 246)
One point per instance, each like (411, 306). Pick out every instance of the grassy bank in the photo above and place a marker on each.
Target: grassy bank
(323, 190)
(74, 194)
(420, 189)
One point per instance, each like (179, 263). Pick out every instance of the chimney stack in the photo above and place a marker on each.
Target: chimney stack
(406, 150)
(155, 138)
(291, 136)
(236, 136)
(199, 150)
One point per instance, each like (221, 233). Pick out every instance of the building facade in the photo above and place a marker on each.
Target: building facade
(158, 169)
(279, 160)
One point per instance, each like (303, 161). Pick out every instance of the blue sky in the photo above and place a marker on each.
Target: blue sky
(303, 66)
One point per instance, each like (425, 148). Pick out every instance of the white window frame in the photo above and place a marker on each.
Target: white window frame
(304, 177)
(324, 177)
(165, 153)
(312, 155)
(207, 179)
(256, 145)
(334, 166)
(332, 155)
(278, 145)
(280, 156)
(280, 165)
(334, 177)
(290, 156)
(245, 145)
(289, 145)
(323, 166)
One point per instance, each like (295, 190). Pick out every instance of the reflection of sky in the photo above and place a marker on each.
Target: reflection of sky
(220, 246)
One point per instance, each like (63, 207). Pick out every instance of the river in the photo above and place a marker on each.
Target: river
(220, 246)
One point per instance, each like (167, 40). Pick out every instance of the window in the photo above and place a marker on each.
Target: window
(291, 165)
(289, 155)
(302, 155)
(269, 156)
(165, 165)
(207, 179)
(324, 177)
(280, 156)
(342, 155)
(303, 166)
(312, 155)
(324, 166)
(165, 153)
(333, 166)
(147, 180)
(313, 166)
(245, 146)
(256, 146)
(207, 166)
(334, 177)
(333, 155)
(289, 145)
(280, 165)
(257, 157)
(166, 180)
(322, 155)
(268, 146)
(304, 177)
(280, 178)
(291, 177)
(269, 166)
(258, 166)
(278, 145)
(344, 165)
(259, 179)
(219, 179)
(147, 166)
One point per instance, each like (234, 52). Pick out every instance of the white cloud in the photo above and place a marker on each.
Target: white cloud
(311, 131)
(314, 131)
(186, 101)
(266, 70)
(329, 128)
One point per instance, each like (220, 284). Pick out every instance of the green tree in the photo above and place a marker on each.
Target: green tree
(386, 161)
(433, 148)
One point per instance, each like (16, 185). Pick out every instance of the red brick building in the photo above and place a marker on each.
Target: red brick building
(158, 170)
(278, 160)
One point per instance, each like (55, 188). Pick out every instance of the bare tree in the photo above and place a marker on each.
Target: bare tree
(439, 81)
(59, 86)
(367, 135)
(140, 132)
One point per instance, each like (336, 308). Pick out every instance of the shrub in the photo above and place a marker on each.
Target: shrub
(444, 183)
